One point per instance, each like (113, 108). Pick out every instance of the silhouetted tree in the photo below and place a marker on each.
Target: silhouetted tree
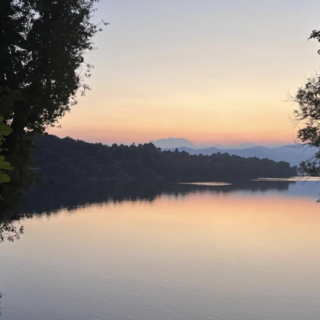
(308, 100)
(42, 46)
(68, 159)
(5, 166)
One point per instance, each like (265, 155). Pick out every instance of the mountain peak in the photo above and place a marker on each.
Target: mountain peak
(173, 143)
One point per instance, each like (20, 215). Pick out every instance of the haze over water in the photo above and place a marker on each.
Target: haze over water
(217, 252)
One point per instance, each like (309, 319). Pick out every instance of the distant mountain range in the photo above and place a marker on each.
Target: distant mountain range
(181, 142)
(173, 143)
(289, 153)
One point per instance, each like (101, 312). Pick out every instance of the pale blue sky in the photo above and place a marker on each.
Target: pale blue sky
(208, 71)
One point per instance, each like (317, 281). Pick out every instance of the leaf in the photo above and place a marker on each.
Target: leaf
(5, 130)
(5, 165)
(8, 90)
(4, 178)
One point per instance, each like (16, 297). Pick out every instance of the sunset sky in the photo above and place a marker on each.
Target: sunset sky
(206, 70)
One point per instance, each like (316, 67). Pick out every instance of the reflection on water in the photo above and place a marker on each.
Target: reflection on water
(247, 251)
(208, 184)
(299, 178)
(53, 197)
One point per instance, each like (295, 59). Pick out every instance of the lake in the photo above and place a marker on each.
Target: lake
(246, 251)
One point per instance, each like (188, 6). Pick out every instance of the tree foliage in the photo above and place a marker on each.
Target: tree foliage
(7, 229)
(20, 178)
(308, 114)
(42, 47)
(5, 166)
(74, 160)
(10, 231)
(7, 98)
(42, 43)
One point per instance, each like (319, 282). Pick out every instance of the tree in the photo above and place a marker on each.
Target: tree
(7, 98)
(42, 46)
(308, 113)
(5, 130)
(7, 229)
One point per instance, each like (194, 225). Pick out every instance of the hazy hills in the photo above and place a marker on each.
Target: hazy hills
(181, 142)
(289, 153)
(75, 160)
(173, 143)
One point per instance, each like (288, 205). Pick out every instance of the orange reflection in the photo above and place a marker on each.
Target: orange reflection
(261, 225)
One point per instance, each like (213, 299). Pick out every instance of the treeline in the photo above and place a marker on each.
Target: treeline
(76, 160)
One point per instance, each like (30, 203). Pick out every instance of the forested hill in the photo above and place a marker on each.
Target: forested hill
(77, 160)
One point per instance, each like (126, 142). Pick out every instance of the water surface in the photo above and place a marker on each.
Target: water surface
(245, 251)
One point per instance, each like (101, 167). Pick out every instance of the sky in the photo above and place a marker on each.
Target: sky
(212, 72)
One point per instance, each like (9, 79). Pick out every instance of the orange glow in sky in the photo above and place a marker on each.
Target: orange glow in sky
(210, 72)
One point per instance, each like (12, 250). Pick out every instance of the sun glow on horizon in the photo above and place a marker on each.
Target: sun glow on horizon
(222, 80)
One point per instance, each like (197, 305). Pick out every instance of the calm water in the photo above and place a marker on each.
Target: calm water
(237, 252)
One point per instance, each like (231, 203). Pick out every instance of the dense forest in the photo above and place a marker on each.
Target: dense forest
(74, 160)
